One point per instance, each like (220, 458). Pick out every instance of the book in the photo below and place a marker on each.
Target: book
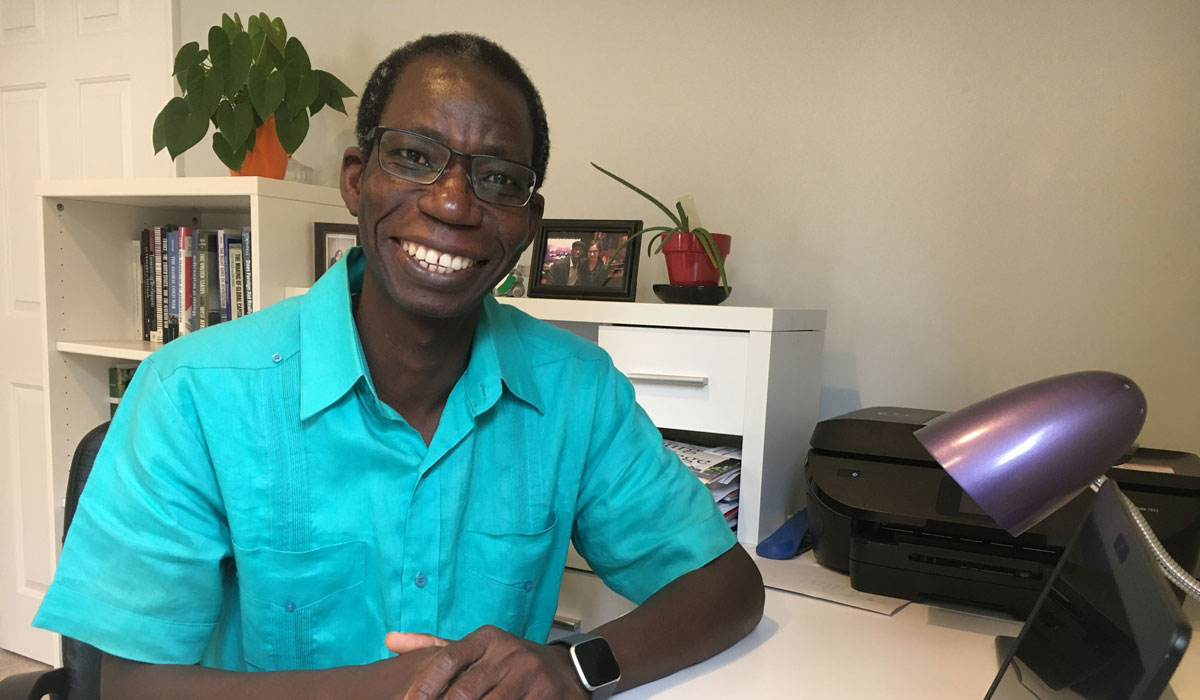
(237, 283)
(224, 238)
(162, 286)
(156, 284)
(138, 320)
(147, 278)
(247, 270)
(213, 302)
(172, 329)
(202, 276)
(185, 279)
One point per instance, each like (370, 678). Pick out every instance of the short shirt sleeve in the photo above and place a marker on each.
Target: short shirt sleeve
(643, 519)
(140, 574)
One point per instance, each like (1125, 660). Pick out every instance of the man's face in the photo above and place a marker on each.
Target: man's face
(576, 253)
(467, 244)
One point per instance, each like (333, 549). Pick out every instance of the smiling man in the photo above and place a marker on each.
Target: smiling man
(369, 491)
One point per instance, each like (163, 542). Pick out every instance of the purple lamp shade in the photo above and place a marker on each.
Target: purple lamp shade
(1023, 453)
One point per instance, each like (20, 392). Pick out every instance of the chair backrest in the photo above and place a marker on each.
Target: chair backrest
(82, 661)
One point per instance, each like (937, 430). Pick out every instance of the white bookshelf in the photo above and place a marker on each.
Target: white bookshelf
(90, 316)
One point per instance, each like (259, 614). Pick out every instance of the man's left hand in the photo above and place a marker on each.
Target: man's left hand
(489, 662)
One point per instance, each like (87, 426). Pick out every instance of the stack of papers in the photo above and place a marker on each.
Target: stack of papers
(718, 468)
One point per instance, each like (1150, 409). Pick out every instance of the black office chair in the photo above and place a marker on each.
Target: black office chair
(79, 677)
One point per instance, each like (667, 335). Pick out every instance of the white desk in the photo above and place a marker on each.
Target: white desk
(810, 648)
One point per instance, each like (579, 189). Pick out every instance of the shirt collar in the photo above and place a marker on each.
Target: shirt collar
(331, 356)
(498, 344)
(332, 360)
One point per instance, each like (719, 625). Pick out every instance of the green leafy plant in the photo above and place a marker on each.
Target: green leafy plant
(244, 77)
(679, 224)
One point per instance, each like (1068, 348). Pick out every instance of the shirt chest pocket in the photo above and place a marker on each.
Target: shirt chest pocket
(507, 570)
(303, 610)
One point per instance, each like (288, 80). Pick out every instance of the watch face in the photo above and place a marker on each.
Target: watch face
(595, 658)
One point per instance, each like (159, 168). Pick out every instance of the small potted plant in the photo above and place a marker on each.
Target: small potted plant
(257, 86)
(695, 256)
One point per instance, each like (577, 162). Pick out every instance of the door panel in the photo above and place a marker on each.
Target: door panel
(78, 101)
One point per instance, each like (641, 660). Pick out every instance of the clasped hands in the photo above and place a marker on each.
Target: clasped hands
(488, 663)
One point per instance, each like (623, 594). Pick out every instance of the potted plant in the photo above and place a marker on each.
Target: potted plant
(695, 256)
(256, 85)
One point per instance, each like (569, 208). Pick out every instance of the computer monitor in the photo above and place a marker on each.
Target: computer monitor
(1106, 627)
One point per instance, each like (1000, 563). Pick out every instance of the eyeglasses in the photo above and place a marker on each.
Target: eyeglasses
(420, 159)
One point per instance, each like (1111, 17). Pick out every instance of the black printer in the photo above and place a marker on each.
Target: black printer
(882, 509)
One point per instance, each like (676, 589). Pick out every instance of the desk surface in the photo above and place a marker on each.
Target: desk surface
(806, 647)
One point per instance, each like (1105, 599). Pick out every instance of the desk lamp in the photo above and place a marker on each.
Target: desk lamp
(1025, 452)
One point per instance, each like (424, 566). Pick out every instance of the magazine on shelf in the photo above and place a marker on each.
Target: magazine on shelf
(719, 468)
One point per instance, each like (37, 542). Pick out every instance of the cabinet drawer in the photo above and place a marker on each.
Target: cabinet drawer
(685, 378)
(585, 603)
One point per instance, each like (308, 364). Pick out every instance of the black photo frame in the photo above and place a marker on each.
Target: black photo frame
(613, 279)
(332, 242)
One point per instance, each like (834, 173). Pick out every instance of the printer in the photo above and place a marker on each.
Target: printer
(881, 509)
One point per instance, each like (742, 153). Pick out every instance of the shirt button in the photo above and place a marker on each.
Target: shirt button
(420, 580)
(276, 358)
(528, 586)
(289, 606)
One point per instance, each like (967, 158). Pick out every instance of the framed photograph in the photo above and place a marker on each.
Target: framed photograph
(332, 242)
(578, 259)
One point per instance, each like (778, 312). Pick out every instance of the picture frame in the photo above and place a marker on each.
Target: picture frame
(332, 242)
(591, 243)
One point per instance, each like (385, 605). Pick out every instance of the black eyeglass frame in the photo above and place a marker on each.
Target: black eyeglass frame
(377, 134)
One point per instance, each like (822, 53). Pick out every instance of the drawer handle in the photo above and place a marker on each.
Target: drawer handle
(570, 624)
(675, 379)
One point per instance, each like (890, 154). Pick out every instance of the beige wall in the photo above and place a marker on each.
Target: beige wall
(981, 194)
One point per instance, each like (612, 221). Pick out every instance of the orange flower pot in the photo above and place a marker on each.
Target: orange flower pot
(267, 158)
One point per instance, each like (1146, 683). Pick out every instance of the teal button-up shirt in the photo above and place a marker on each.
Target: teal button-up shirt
(256, 506)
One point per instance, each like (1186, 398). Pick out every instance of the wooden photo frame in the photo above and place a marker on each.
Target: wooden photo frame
(332, 242)
(578, 259)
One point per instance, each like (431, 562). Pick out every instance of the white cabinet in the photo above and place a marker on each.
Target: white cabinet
(90, 316)
(715, 374)
(750, 376)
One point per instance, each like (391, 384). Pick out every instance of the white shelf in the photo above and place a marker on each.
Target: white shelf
(116, 349)
(731, 318)
(216, 192)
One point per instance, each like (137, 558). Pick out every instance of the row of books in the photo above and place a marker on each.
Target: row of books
(718, 468)
(191, 278)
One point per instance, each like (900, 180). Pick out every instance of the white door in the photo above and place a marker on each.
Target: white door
(80, 84)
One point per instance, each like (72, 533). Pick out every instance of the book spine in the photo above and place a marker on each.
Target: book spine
(172, 285)
(156, 284)
(147, 276)
(163, 288)
(237, 306)
(247, 270)
(201, 290)
(187, 239)
(222, 273)
(213, 297)
(135, 286)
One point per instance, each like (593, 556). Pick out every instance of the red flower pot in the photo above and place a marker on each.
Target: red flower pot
(688, 263)
(267, 158)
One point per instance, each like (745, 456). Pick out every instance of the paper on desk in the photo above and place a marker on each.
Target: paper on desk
(805, 576)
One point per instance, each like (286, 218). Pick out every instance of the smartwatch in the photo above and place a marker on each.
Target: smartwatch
(594, 663)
